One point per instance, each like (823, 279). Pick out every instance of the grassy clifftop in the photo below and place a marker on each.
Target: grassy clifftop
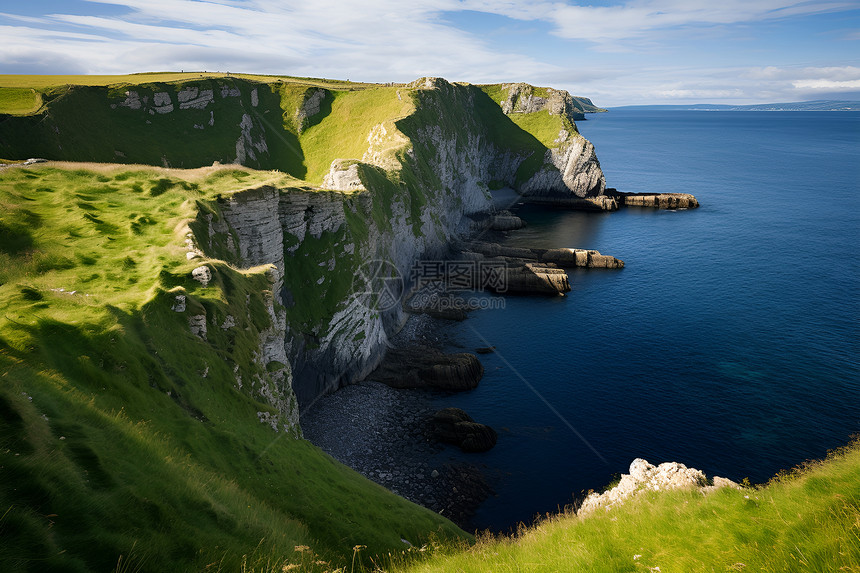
(124, 433)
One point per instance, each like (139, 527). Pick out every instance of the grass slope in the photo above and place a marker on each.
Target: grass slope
(122, 433)
(805, 520)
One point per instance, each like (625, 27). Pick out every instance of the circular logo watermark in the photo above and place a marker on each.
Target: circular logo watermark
(378, 285)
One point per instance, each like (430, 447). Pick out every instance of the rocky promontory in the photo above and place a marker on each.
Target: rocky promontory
(645, 477)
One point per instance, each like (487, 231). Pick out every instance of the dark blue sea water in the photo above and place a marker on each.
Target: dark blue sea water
(729, 342)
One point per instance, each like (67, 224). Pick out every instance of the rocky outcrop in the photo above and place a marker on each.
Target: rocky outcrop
(570, 171)
(505, 221)
(599, 203)
(311, 102)
(570, 168)
(454, 426)
(426, 367)
(565, 258)
(535, 278)
(644, 477)
(655, 200)
(524, 98)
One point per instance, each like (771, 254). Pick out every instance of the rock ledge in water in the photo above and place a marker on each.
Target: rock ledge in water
(454, 426)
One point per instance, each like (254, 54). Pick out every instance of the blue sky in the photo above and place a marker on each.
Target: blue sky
(617, 53)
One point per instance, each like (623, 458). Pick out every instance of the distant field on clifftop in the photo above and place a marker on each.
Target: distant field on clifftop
(48, 81)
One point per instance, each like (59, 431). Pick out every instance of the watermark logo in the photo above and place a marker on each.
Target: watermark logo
(459, 276)
(378, 285)
(438, 285)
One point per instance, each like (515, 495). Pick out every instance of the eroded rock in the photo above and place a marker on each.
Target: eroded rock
(505, 221)
(644, 476)
(566, 258)
(454, 426)
(426, 367)
(202, 275)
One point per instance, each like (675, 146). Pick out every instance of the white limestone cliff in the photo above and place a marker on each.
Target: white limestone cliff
(318, 239)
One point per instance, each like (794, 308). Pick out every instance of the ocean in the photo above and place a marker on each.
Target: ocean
(729, 342)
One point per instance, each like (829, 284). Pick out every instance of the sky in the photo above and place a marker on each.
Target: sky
(616, 52)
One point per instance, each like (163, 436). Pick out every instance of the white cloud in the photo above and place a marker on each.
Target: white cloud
(829, 85)
(392, 40)
(637, 18)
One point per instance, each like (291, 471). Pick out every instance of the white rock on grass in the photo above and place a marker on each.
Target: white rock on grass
(197, 325)
(179, 303)
(202, 275)
(647, 477)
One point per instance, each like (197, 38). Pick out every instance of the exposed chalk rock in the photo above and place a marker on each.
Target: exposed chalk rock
(202, 275)
(644, 476)
(189, 98)
(132, 100)
(197, 324)
(343, 177)
(313, 98)
(178, 303)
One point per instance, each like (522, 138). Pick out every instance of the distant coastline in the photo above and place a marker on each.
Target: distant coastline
(817, 105)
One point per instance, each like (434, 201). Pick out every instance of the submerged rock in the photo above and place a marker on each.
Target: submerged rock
(454, 426)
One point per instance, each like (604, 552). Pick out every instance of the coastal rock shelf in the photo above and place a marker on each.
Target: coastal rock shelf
(598, 203)
(565, 258)
(656, 200)
(535, 278)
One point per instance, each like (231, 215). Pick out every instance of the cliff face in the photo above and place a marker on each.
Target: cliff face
(413, 193)
(393, 175)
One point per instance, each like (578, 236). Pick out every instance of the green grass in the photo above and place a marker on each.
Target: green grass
(543, 126)
(343, 133)
(122, 433)
(19, 101)
(805, 520)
